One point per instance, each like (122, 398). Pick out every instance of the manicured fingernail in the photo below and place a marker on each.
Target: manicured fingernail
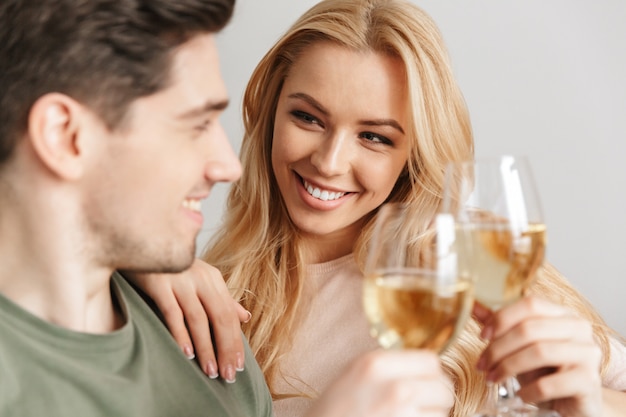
(188, 351)
(211, 370)
(487, 333)
(248, 317)
(481, 363)
(229, 374)
(240, 362)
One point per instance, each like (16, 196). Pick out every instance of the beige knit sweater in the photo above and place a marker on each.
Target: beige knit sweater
(335, 332)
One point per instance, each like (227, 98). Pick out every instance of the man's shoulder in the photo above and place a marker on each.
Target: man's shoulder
(248, 395)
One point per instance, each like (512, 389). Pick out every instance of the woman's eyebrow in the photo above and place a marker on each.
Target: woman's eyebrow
(375, 122)
(383, 122)
(310, 100)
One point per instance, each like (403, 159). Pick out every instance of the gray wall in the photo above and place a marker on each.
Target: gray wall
(542, 78)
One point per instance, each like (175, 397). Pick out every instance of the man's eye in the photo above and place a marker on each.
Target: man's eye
(202, 127)
(375, 138)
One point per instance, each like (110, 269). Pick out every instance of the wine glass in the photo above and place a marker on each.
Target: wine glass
(497, 210)
(414, 296)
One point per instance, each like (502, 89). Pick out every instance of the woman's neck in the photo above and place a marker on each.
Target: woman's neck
(324, 248)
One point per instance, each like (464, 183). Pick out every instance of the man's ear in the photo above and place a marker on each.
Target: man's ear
(53, 127)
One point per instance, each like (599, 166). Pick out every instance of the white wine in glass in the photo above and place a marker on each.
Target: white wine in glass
(504, 260)
(499, 221)
(414, 296)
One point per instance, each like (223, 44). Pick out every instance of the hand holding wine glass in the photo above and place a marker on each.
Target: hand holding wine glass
(498, 214)
(414, 295)
(550, 348)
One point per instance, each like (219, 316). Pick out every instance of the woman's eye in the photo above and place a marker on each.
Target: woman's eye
(305, 117)
(374, 138)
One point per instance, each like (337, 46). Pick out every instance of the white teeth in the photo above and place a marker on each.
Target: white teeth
(195, 205)
(323, 195)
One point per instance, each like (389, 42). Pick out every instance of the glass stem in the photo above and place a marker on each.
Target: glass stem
(506, 393)
(493, 396)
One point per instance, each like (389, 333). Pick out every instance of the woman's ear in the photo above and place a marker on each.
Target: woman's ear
(53, 124)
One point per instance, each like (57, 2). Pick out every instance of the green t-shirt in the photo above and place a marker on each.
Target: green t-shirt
(138, 370)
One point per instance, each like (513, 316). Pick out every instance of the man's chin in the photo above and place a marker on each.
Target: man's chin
(164, 265)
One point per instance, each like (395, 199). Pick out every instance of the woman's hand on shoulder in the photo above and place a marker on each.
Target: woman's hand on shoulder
(551, 351)
(201, 315)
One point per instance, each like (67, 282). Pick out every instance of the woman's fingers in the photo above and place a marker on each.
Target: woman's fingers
(212, 317)
(574, 392)
(567, 383)
(533, 340)
(172, 314)
(529, 321)
(201, 315)
(552, 351)
(243, 314)
(481, 313)
(500, 322)
(557, 356)
(197, 323)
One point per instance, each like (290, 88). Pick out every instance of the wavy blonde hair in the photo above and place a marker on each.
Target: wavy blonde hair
(258, 249)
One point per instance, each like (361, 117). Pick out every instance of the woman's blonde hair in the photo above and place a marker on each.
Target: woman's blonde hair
(258, 249)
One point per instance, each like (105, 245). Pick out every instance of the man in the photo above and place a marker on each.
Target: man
(109, 141)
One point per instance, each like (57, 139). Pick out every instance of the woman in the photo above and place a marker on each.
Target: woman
(356, 105)
(355, 95)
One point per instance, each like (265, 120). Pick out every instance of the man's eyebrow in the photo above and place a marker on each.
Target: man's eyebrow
(376, 122)
(207, 107)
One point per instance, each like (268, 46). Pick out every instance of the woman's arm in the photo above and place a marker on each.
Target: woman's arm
(200, 313)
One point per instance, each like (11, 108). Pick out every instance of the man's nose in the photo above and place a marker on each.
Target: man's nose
(223, 164)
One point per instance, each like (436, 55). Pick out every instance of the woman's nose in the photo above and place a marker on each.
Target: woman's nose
(333, 156)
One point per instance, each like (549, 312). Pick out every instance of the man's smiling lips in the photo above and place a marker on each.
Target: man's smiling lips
(193, 204)
(193, 208)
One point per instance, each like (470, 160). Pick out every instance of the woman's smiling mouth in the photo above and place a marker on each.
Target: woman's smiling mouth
(321, 194)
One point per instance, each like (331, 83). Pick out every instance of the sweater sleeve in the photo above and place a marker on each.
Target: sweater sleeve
(615, 377)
